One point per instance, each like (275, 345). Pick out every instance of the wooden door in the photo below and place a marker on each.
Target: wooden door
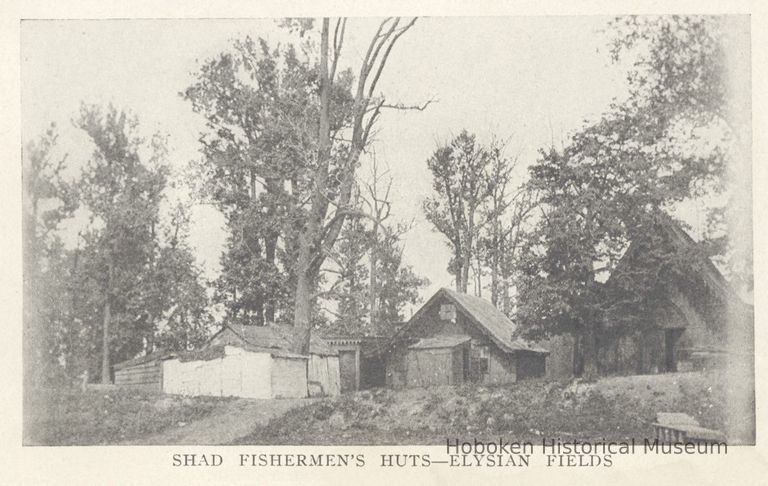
(348, 370)
(670, 356)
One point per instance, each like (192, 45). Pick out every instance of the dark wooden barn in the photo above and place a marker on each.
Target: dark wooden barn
(688, 324)
(456, 338)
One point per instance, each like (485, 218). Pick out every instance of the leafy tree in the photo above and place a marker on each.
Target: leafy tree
(351, 289)
(296, 127)
(48, 200)
(593, 204)
(613, 184)
(463, 182)
(138, 284)
(123, 197)
(369, 246)
(480, 211)
(505, 214)
(398, 284)
(507, 255)
(677, 69)
(685, 76)
(261, 110)
(184, 321)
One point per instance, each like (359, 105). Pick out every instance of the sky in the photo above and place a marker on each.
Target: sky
(532, 80)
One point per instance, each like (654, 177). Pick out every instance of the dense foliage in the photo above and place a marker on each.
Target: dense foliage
(618, 180)
(131, 283)
(480, 212)
(286, 128)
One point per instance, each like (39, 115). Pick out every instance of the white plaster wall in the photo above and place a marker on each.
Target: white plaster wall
(232, 373)
(256, 372)
(239, 373)
(289, 378)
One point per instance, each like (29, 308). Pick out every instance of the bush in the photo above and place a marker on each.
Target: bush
(614, 409)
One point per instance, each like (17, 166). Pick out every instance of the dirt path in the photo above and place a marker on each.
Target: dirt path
(237, 419)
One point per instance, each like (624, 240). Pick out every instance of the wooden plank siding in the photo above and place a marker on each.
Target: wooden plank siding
(323, 375)
(145, 375)
(431, 367)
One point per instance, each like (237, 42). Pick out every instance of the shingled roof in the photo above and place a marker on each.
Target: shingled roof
(212, 352)
(275, 337)
(488, 319)
(704, 268)
(709, 272)
(159, 354)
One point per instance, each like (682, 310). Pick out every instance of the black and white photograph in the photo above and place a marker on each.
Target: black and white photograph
(388, 231)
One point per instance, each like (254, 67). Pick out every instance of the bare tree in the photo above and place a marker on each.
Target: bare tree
(519, 210)
(324, 223)
(379, 207)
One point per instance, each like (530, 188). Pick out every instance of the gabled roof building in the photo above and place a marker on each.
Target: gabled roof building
(694, 317)
(456, 338)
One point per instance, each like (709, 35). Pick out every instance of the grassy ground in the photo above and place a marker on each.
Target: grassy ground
(74, 417)
(613, 408)
(225, 423)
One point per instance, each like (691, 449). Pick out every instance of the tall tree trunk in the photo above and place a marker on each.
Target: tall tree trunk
(275, 188)
(589, 350)
(150, 324)
(302, 313)
(479, 276)
(105, 338)
(495, 253)
(105, 362)
(258, 312)
(308, 243)
(495, 286)
(150, 334)
(316, 236)
(591, 320)
(374, 278)
(505, 299)
(466, 262)
(70, 361)
(269, 305)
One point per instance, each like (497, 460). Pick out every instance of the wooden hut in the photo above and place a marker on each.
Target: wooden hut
(144, 372)
(455, 338)
(439, 360)
(360, 364)
(243, 361)
(322, 367)
(242, 371)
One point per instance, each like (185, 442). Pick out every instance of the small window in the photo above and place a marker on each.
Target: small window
(447, 312)
(478, 363)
